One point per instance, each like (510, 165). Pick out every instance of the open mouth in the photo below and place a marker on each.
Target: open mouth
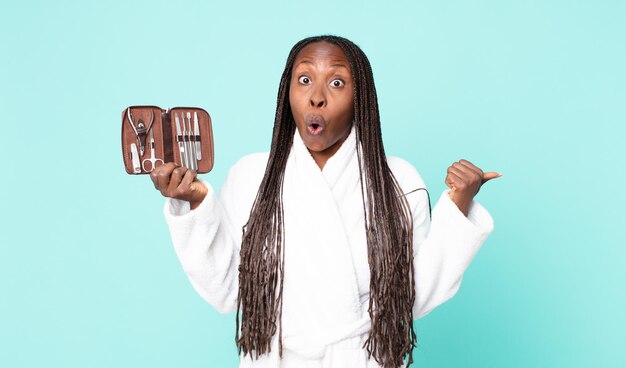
(315, 129)
(315, 124)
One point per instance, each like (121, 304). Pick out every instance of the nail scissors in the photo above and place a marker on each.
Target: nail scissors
(152, 160)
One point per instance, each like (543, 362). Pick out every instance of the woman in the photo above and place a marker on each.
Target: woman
(338, 255)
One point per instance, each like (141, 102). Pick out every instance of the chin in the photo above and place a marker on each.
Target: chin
(315, 147)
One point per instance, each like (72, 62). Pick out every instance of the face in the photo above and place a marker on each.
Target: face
(321, 97)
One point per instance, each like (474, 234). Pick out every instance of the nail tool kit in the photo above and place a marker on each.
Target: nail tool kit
(152, 136)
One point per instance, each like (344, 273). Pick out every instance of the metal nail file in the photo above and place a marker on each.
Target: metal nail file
(181, 143)
(192, 148)
(187, 144)
(196, 131)
(185, 150)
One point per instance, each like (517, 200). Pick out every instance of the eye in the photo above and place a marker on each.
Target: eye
(337, 83)
(304, 80)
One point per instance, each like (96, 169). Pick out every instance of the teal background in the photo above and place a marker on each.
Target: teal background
(532, 89)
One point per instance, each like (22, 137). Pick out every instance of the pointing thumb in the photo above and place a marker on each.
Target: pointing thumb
(490, 175)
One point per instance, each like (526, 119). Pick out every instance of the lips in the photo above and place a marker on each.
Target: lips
(315, 124)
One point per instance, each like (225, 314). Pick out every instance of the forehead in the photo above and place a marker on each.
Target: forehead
(322, 52)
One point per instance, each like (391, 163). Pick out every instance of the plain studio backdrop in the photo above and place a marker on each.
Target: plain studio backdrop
(533, 89)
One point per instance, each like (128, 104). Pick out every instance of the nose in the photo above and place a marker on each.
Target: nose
(317, 99)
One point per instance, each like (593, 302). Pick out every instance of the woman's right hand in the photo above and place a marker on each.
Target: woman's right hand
(175, 181)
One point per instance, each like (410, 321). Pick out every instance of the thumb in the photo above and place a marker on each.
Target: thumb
(198, 186)
(490, 175)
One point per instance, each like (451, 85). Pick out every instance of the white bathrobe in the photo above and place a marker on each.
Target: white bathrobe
(326, 289)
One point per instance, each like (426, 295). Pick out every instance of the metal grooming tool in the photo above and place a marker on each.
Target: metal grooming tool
(180, 140)
(192, 148)
(152, 160)
(196, 131)
(185, 141)
(134, 156)
(141, 132)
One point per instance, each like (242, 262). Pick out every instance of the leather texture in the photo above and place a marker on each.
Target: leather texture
(142, 120)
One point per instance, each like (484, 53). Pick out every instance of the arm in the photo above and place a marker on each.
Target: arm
(207, 238)
(444, 248)
(207, 245)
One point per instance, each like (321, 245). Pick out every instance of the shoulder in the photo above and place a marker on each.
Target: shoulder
(242, 184)
(248, 171)
(414, 190)
(407, 176)
(252, 163)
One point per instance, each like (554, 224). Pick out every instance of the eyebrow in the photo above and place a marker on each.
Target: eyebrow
(334, 65)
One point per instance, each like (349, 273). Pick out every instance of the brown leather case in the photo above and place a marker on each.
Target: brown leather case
(139, 123)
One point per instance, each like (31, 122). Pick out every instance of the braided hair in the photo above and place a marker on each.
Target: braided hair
(388, 225)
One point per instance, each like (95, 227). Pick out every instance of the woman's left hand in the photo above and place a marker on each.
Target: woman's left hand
(464, 180)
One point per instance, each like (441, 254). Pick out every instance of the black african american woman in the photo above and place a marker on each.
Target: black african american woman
(325, 246)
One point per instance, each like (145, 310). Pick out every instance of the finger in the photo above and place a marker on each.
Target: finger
(161, 176)
(453, 183)
(459, 178)
(472, 175)
(154, 174)
(455, 176)
(490, 175)
(177, 176)
(472, 167)
(449, 181)
(189, 177)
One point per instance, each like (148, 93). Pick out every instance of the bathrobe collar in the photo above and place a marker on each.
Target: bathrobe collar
(320, 281)
(336, 164)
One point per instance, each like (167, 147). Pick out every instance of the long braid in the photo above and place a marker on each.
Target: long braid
(388, 226)
(262, 253)
(389, 238)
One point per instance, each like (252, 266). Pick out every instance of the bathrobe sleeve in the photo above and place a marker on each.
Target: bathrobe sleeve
(442, 247)
(207, 239)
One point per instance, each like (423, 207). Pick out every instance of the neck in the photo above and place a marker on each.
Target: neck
(322, 157)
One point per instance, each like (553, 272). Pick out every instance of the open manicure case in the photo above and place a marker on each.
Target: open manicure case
(152, 136)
